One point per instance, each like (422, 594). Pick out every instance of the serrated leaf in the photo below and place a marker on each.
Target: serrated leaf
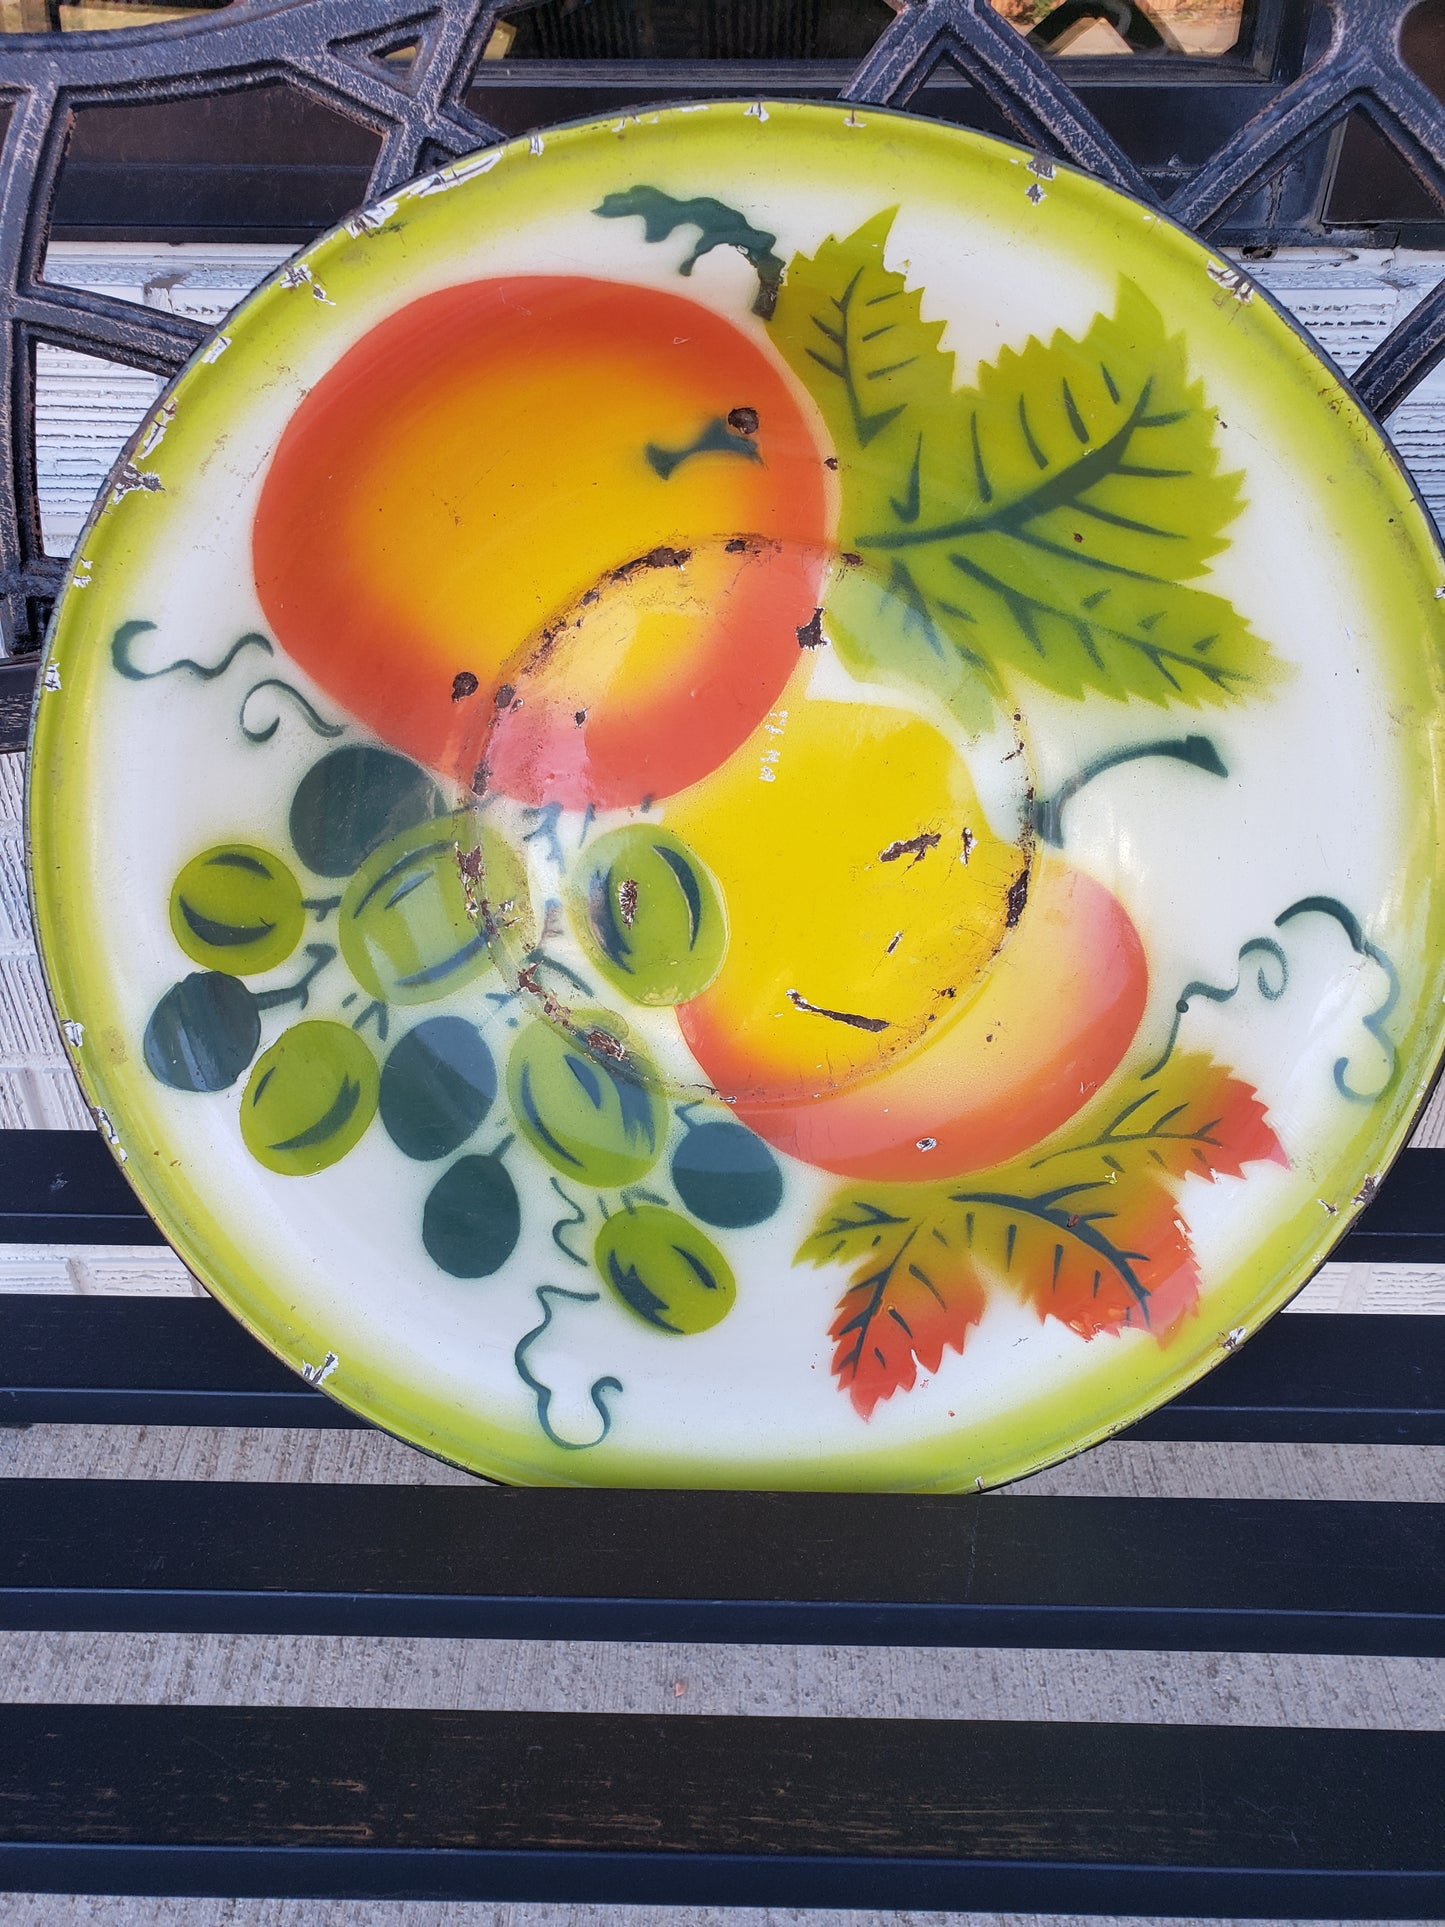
(1099, 1257)
(914, 1293)
(1088, 1234)
(1191, 1118)
(1047, 523)
(853, 332)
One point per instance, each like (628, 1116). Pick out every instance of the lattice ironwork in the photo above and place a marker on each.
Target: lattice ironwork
(334, 52)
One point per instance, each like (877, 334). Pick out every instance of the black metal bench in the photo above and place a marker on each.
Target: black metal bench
(1006, 1814)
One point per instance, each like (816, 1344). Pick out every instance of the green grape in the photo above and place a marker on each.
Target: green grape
(412, 923)
(353, 799)
(437, 1087)
(309, 1098)
(666, 1271)
(584, 1098)
(203, 1033)
(725, 1175)
(472, 1217)
(650, 914)
(237, 909)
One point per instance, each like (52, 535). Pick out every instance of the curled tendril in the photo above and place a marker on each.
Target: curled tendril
(1272, 978)
(125, 664)
(317, 723)
(564, 1225)
(543, 1393)
(1271, 988)
(1376, 1020)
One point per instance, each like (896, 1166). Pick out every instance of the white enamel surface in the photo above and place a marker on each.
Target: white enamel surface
(1203, 865)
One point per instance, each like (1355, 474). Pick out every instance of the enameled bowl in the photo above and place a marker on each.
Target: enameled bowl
(750, 797)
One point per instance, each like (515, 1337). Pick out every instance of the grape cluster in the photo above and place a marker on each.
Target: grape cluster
(426, 901)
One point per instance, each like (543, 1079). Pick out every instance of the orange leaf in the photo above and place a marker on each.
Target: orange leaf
(1097, 1255)
(915, 1295)
(1089, 1233)
(1193, 1117)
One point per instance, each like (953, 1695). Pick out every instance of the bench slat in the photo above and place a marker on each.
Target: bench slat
(641, 1807)
(1346, 1378)
(65, 1187)
(1155, 1574)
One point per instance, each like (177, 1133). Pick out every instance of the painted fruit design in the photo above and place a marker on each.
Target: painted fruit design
(517, 463)
(684, 854)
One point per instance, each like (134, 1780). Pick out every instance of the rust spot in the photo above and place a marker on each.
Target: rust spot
(800, 1002)
(830, 461)
(504, 695)
(897, 939)
(579, 716)
(464, 684)
(481, 776)
(744, 420)
(469, 862)
(661, 557)
(1018, 896)
(915, 846)
(528, 980)
(969, 839)
(851, 559)
(1366, 1191)
(627, 900)
(810, 636)
(604, 1042)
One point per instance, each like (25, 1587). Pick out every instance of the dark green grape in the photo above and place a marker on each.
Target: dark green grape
(472, 1218)
(650, 915)
(203, 1032)
(309, 1099)
(666, 1271)
(411, 923)
(352, 800)
(436, 1087)
(237, 909)
(726, 1176)
(583, 1096)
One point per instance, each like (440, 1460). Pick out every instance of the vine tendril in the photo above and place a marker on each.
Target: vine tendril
(564, 1225)
(1375, 1022)
(314, 722)
(543, 1393)
(124, 663)
(1264, 947)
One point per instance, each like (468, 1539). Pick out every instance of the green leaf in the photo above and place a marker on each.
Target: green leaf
(853, 332)
(1047, 523)
(717, 224)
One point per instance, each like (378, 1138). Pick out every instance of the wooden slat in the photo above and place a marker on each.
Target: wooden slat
(65, 1186)
(17, 696)
(458, 1561)
(793, 1812)
(1340, 1379)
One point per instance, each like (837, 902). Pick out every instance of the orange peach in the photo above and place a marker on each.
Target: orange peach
(518, 461)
